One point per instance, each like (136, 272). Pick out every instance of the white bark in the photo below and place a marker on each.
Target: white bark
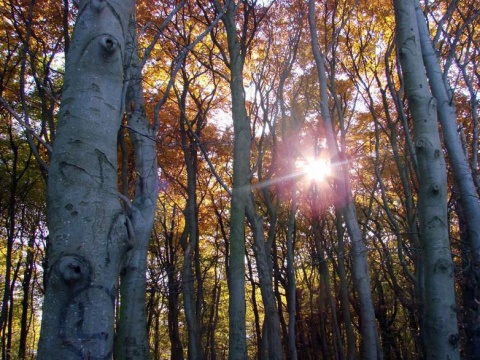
(88, 234)
(462, 173)
(440, 309)
(448, 119)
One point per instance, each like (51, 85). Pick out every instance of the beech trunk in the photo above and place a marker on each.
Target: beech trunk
(88, 227)
(440, 309)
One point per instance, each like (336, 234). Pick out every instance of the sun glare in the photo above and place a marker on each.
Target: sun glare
(317, 169)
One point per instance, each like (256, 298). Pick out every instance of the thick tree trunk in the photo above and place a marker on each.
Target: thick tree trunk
(370, 341)
(88, 232)
(441, 320)
(462, 173)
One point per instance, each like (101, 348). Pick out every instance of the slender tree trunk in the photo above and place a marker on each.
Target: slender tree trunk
(176, 346)
(10, 321)
(26, 289)
(262, 352)
(291, 280)
(11, 231)
(216, 292)
(344, 298)
(132, 337)
(370, 340)
(192, 285)
(264, 268)
(441, 320)
(241, 188)
(88, 232)
(325, 280)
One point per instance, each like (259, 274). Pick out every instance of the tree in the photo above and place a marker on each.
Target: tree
(241, 180)
(132, 336)
(90, 233)
(441, 319)
(371, 346)
(242, 203)
(462, 172)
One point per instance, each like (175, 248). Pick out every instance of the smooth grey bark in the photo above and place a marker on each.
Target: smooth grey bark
(440, 309)
(370, 342)
(88, 232)
(351, 346)
(462, 173)
(241, 188)
(132, 336)
(417, 310)
(264, 268)
(242, 204)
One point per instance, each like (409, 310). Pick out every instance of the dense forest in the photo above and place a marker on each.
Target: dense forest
(241, 179)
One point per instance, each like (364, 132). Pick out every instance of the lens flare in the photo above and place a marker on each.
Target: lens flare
(316, 169)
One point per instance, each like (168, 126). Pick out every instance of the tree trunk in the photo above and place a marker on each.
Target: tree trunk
(132, 337)
(174, 286)
(344, 298)
(241, 188)
(192, 285)
(441, 319)
(458, 161)
(291, 280)
(88, 232)
(361, 278)
(11, 226)
(26, 289)
(329, 299)
(264, 268)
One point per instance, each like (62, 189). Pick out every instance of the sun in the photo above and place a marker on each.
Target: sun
(316, 169)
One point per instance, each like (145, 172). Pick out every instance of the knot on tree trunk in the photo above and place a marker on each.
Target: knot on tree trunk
(443, 266)
(421, 143)
(109, 44)
(73, 269)
(435, 188)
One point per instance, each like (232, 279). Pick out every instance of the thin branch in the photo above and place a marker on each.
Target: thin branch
(178, 64)
(24, 124)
